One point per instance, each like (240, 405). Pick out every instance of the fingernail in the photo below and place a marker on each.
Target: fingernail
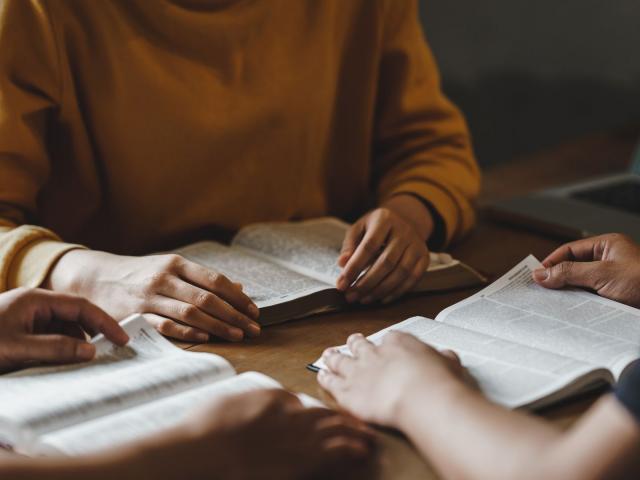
(202, 337)
(351, 297)
(85, 351)
(341, 284)
(254, 311)
(541, 274)
(239, 285)
(237, 334)
(254, 329)
(124, 338)
(329, 351)
(360, 448)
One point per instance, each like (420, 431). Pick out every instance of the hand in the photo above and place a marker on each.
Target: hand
(390, 244)
(608, 264)
(41, 326)
(182, 299)
(265, 434)
(374, 383)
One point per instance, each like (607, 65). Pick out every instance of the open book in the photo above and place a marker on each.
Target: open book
(529, 347)
(290, 269)
(124, 394)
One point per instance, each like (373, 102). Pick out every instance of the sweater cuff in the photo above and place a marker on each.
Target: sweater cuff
(31, 265)
(27, 253)
(438, 236)
(443, 208)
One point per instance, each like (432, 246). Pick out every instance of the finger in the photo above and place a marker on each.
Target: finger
(359, 345)
(409, 283)
(209, 303)
(339, 447)
(331, 382)
(453, 359)
(68, 329)
(221, 286)
(402, 338)
(393, 280)
(170, 328)
(584, 250)
(68, 308)
(383, 265)
(188, 314)
(364, 254)
(343, 425)
(451, 355)
(578, 274)
(339, 363)
(53, 349)
(350, 243)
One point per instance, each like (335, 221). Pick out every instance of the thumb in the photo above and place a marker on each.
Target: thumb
(350, 242)
(54, 349)
(576, 274)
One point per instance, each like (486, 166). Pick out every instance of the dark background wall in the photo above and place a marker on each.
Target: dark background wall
(530, 74)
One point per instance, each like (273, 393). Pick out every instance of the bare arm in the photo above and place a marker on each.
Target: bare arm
(465, 436)
(407, 385)
(106, 466)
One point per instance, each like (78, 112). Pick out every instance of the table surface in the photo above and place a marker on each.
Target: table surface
(283, 351)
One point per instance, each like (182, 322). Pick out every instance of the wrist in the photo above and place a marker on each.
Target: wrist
(424, 399)
(154, 456)
(186, 451)
(413, 211)
(62, 276)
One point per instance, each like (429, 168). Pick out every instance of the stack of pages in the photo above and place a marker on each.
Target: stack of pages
(290, 269)
(527, 346)
(124, 394)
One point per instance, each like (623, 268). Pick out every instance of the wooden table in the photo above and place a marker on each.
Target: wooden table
(283, 351)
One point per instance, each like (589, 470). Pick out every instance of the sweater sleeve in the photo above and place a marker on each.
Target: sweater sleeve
(29, 98)
(422, 145)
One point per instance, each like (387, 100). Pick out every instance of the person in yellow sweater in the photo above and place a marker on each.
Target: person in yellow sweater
(131, 126)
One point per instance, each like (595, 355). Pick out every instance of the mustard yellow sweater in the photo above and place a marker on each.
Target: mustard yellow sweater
(126, 124)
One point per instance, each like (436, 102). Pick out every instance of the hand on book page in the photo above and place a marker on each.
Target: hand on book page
(263, 433)
(607, 264)
(383, 256)
(264, 281)
(570, 322)
(507, 372)
(185, 300)
(374, 381)
(148, 368)
(290, 269)
(42, 326)
(270, 434)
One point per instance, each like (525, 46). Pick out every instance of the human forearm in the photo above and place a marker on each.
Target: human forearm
(406, 384)
(413, 211)
(120, 465)
(157, 458)
(466, 437)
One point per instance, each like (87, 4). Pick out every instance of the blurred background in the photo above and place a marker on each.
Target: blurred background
(532, 74)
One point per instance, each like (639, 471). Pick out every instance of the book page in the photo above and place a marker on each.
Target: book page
(146, 419)
(265, 282)
(508, 373)
(310, 248)
(151, 418)
(39, 400)
(569, 322)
